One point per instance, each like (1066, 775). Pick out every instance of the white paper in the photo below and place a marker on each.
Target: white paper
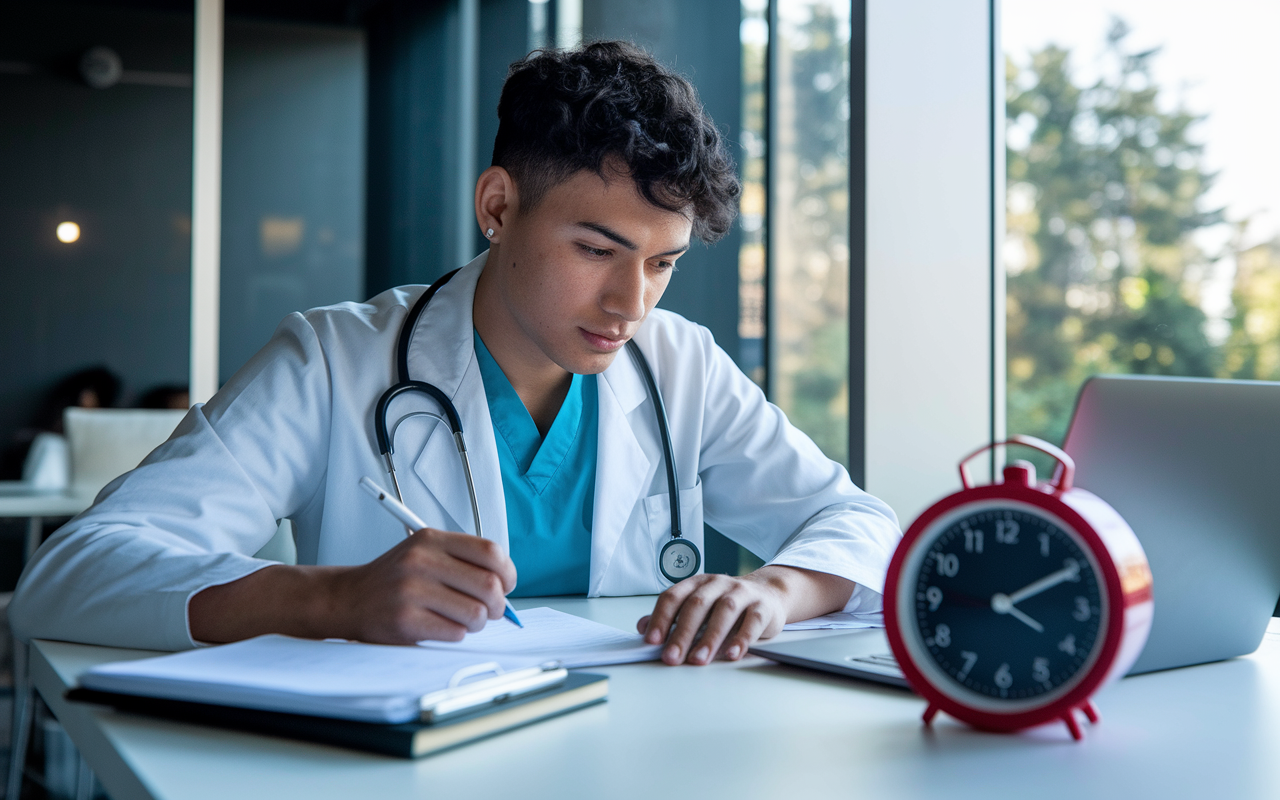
(362, 681)
(550, 635)
(840, 620)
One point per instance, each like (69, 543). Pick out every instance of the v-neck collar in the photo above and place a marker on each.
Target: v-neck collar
(537, 458)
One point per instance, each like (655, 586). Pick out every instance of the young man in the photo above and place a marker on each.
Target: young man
(604, 167)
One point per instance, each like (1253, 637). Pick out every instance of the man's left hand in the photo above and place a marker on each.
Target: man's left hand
(708, 615)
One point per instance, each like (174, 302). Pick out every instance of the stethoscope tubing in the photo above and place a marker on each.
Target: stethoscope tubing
(404, 385)
(660, 410)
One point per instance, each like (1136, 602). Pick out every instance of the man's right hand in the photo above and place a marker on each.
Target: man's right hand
(433, 585)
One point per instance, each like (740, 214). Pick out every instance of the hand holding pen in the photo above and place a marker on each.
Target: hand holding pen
(414, 523)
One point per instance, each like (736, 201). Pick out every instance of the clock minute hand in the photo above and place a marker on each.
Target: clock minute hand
(1070, 572)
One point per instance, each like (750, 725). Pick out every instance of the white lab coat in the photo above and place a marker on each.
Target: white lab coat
(292, 433)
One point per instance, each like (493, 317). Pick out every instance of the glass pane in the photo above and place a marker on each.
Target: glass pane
(1143, 191)
(754, 147)
(809, 220)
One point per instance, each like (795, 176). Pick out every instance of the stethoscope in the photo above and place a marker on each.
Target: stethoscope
(678, 558)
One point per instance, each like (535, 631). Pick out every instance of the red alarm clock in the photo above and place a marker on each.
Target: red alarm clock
(1009, 605)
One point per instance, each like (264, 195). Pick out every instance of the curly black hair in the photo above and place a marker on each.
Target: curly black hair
(564, 111)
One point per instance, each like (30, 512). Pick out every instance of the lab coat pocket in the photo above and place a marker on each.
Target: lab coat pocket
(443, 487)
(658, 518)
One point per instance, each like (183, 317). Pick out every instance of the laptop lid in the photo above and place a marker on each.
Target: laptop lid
(1193, 465)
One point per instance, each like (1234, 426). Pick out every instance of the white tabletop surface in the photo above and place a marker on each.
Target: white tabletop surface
(18, 499)
(746, 730)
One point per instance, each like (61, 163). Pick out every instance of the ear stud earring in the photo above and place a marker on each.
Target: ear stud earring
(488, 234)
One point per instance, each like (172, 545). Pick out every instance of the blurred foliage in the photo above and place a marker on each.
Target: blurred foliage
(1253, 348)
(753, 204)
(1105, 273)
(810, 221)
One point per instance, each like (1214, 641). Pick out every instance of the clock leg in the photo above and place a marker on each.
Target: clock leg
(1072, 725)
(930, 713)
(1090, 712)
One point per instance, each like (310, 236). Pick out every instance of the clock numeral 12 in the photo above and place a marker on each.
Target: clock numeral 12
(1006, 531)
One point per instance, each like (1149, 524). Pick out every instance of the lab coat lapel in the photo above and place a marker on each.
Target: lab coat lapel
(443, 353)
(623, 470)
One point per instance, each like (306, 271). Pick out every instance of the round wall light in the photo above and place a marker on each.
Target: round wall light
(68, 232)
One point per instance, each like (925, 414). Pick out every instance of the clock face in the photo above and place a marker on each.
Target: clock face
(1005, 609)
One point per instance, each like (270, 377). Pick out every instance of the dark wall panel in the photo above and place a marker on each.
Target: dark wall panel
(118, 162)
(700, 40)
(293, 161)
(504, 38)
(412, 133)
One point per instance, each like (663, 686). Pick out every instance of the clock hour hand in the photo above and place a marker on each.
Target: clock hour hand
(1070, 572)
(1007, 603)
(1002, 604)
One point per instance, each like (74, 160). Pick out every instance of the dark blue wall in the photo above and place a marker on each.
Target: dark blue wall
(292, 177)
(118, 162)
(413, 109)
(414, 145)
(700, 40)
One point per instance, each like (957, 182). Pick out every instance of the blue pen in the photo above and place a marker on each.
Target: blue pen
(414, 523)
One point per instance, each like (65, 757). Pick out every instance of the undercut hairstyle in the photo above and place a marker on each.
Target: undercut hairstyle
(565, 111)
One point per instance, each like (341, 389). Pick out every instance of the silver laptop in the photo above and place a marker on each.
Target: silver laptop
(1193, 466)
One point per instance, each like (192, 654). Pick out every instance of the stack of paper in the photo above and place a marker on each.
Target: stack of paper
(556, 636)
(840, 620)
(350, 680)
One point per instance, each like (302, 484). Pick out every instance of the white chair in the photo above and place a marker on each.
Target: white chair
(105, 443)
(47, 467)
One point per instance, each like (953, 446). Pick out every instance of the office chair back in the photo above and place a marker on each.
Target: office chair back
(108, 442)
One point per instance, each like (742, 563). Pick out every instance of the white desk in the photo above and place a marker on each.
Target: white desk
(17, 499)
(745, 730)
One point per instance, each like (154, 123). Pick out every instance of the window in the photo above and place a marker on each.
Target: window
(804, 183)
(1143, 226)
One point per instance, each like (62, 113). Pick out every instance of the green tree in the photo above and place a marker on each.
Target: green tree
(811, 268)
(1106, 191)
(1252, 350)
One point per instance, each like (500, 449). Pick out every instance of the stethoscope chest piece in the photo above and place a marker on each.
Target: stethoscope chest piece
(678, 559)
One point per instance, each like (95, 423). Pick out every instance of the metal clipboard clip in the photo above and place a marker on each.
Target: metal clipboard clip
(502, 687)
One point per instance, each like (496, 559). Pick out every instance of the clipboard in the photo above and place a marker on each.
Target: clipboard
(404, 740)
(461, 697)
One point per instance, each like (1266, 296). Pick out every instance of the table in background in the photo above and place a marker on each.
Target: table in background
(18, 499)
(743, 730)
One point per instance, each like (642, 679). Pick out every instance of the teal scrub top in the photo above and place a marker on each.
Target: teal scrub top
(549, 483)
